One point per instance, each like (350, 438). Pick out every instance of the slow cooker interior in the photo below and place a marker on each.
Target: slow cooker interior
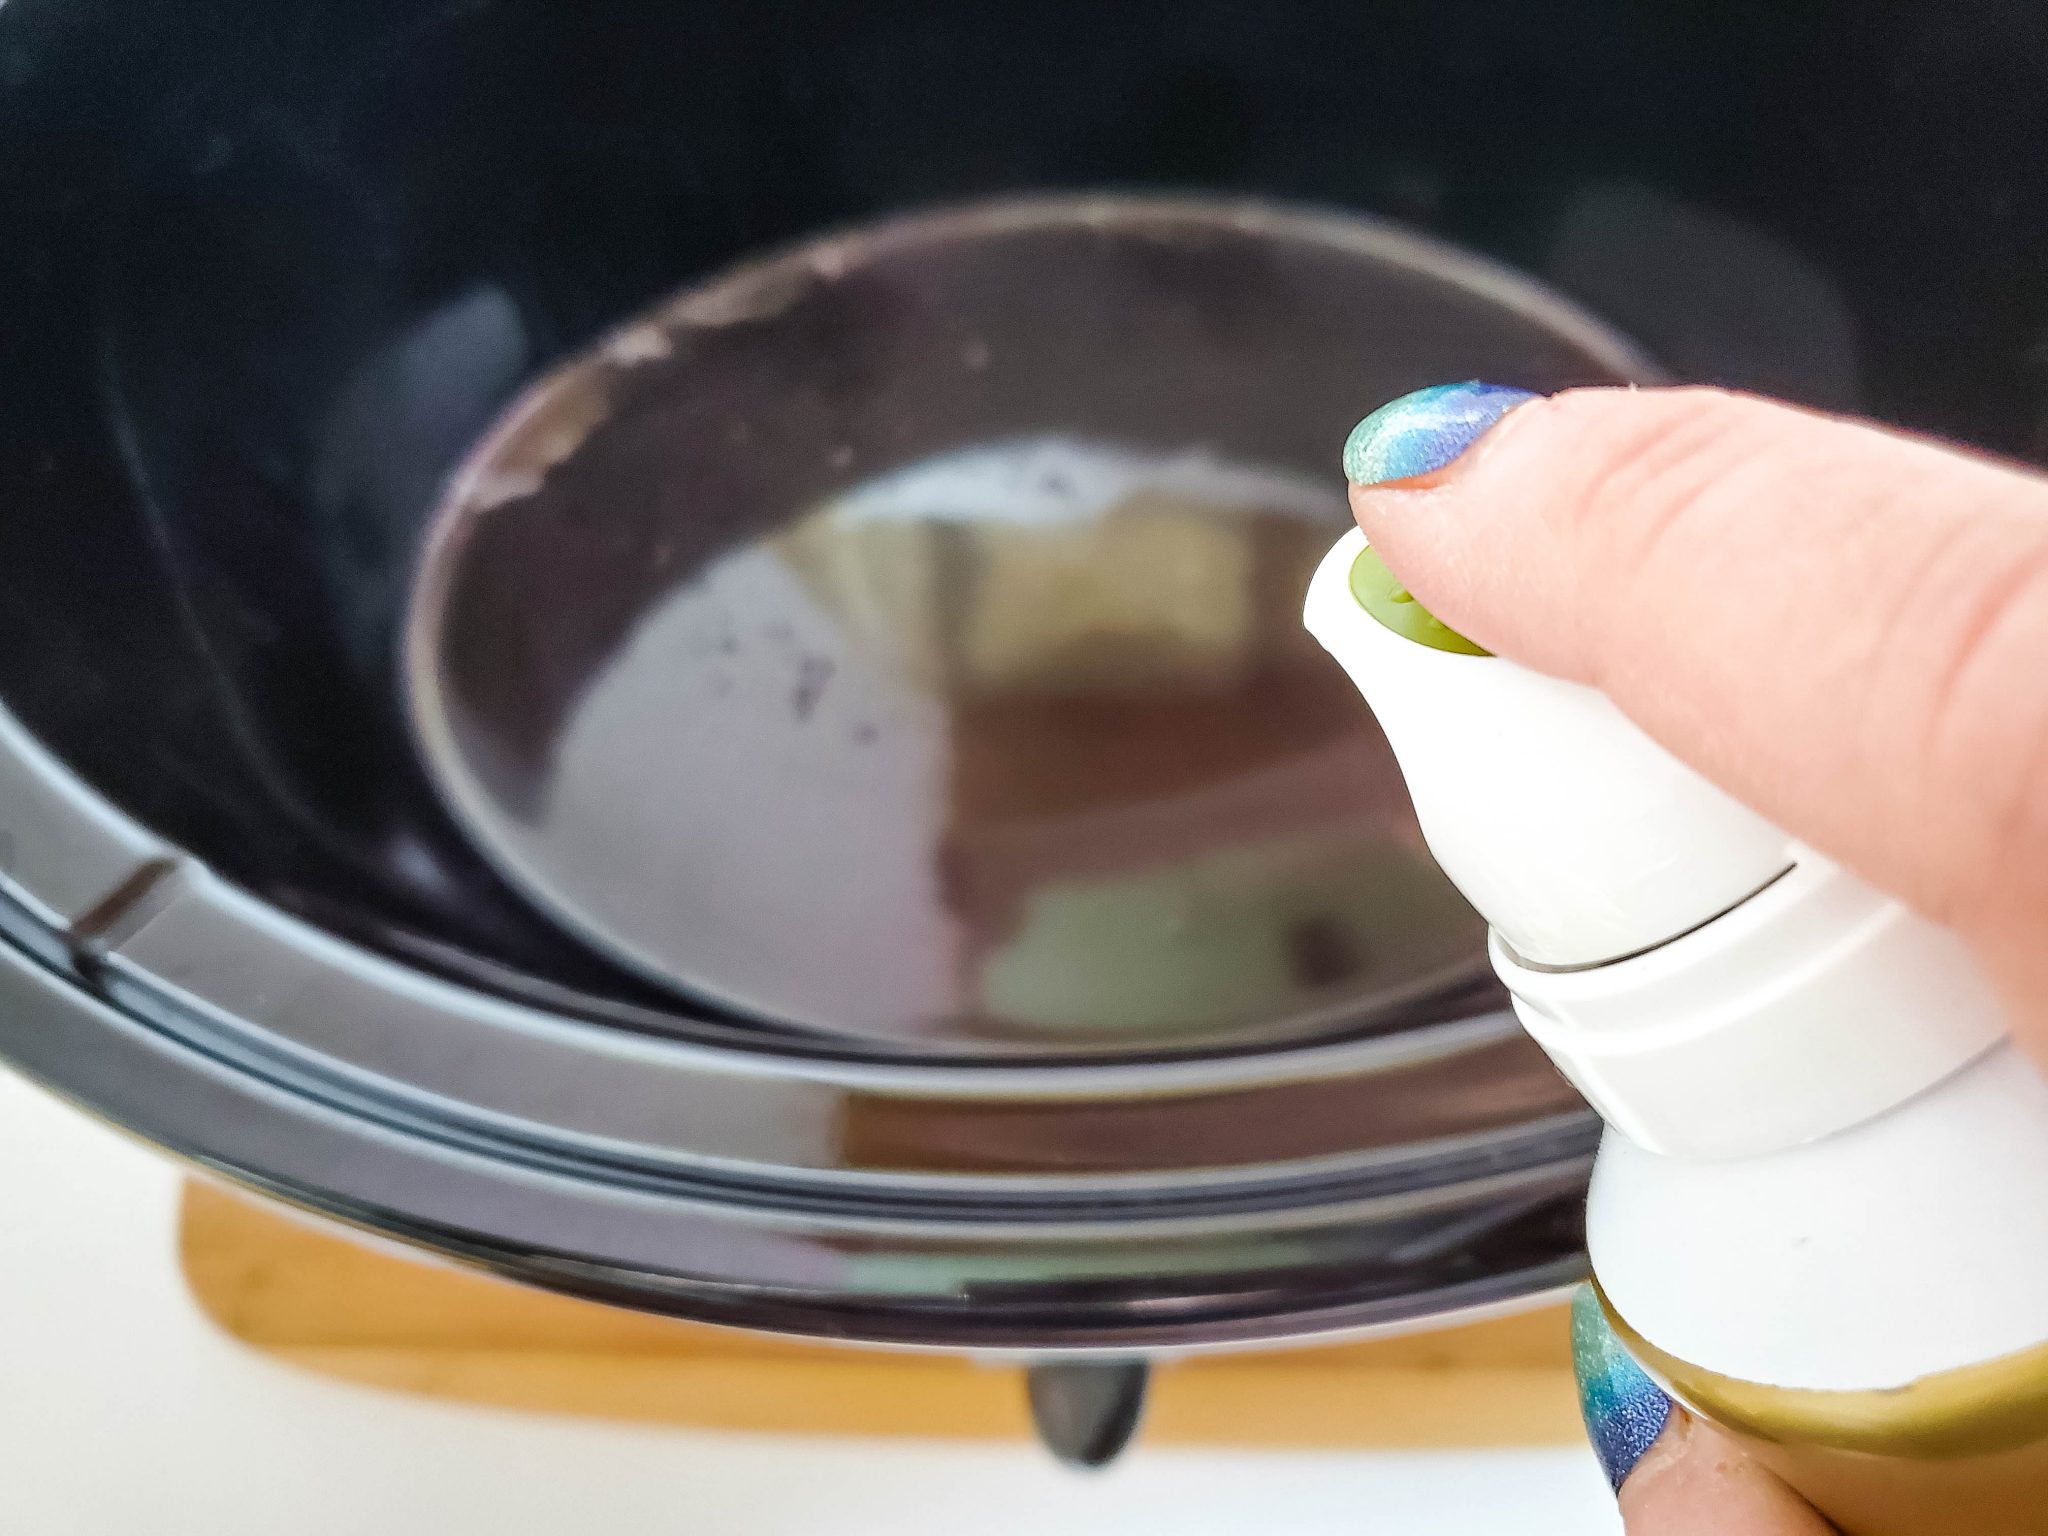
(270, 270)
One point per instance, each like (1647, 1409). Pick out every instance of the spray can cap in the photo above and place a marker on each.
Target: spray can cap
(1714, 988)
(1578, 838)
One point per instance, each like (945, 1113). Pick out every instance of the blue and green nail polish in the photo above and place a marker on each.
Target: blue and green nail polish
(1624, 1410)
(1415, 435)
(1418, 434)
(1423, 431)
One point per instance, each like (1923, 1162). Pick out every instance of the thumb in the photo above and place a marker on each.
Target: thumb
(1675, 1475)
(1695, 1481)
(1844, 627)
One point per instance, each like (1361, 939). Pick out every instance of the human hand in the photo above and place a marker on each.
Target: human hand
(1844, 627)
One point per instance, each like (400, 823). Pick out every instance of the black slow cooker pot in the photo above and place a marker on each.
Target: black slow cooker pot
(297, 875)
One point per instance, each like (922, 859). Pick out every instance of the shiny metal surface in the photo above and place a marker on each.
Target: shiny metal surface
(1081, 983)
(899, 638)
(1050, 1208)
(1103, 1279)
(1397, 1107)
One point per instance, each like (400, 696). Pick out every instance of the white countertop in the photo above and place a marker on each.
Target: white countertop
(123, 1411)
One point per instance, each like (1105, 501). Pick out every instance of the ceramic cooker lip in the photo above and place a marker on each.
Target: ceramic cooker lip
(148, 990)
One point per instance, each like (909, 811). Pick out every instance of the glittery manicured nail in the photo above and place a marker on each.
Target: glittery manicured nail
(1424, 431)
(1624, 1410)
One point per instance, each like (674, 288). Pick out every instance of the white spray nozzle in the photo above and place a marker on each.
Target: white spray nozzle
(1701, 1018)
(1575, 835)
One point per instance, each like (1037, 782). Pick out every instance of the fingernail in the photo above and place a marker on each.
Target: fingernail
(1624, 1410)
(1423, 431)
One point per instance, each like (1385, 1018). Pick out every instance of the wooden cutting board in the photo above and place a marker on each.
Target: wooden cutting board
(302, 1294)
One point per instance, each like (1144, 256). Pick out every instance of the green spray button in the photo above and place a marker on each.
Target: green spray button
(1380, 595)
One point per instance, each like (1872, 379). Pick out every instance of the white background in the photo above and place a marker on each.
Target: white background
(122, 1411)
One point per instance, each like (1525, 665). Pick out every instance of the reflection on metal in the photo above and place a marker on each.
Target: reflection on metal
(899, 662)
(1202, 1058)
(1087, 1411)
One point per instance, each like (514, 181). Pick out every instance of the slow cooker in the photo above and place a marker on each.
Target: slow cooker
(657, 648)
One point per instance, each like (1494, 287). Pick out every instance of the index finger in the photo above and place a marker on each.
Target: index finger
(1845, 627)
